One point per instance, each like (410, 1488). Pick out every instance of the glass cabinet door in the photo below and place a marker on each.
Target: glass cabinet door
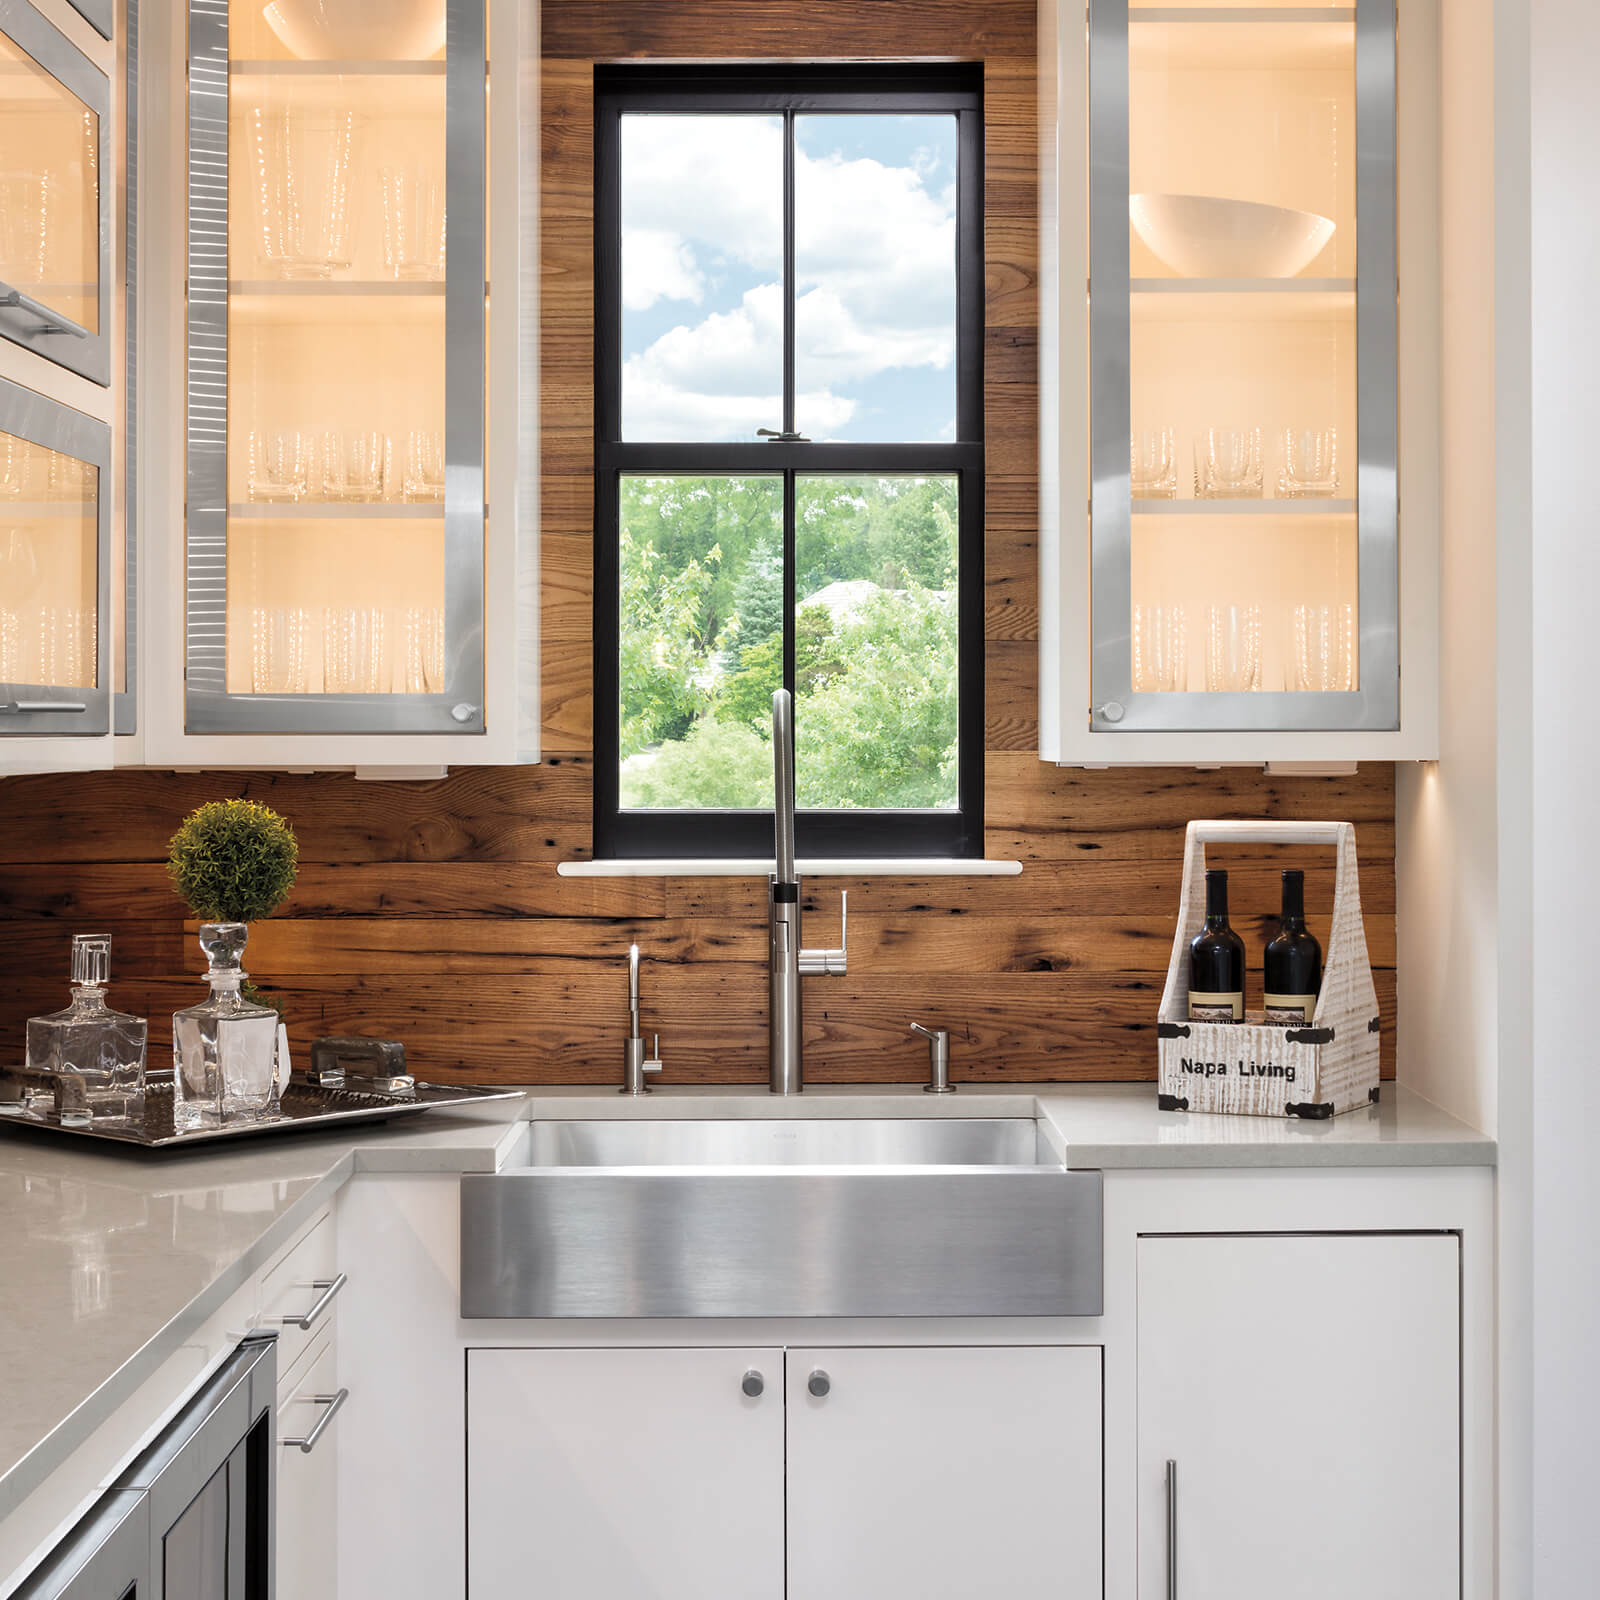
(55, 208)
(1242, 314)
(55, 567)
(336, 368)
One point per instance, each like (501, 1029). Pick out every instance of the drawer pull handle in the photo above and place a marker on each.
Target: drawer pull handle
(1172, 1530)
(332, 1402)
(329, 1287)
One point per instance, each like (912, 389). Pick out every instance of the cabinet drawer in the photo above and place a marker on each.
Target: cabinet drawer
(302, 1283)
(307, 1551)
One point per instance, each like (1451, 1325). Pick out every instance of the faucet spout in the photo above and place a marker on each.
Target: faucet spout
(789, 962)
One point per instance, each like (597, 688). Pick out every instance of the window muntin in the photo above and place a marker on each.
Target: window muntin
(833, 560)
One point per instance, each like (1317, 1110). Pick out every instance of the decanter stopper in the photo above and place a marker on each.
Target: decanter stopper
(91, 960)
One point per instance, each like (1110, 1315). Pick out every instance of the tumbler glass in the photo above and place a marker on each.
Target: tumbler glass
(278, 650)
(302, 169)
(279, 465)
(1160, 650)
(1227, 464)
(1323, 653)
(354, 656)
(424, 474)
(1153, 465)
(355, 466)
(1233, 649)
(1310, 463)
(424, 650)
(413, 222)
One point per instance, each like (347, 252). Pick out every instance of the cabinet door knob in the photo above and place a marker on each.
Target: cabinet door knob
(819, 1383)
(753, 1383)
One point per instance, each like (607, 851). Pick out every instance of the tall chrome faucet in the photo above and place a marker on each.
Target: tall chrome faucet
(790, 963)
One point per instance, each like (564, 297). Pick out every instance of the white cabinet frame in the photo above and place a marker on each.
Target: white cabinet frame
(1066, 734)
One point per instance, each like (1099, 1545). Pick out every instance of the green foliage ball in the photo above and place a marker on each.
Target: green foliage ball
(233, 861)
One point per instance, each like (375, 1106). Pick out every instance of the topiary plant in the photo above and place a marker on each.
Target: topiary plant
(233, 861)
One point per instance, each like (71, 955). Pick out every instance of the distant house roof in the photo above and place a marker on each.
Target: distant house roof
(846, 598)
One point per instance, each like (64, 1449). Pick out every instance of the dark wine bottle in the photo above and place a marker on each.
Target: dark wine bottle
(1293, 961)
(1216, 960)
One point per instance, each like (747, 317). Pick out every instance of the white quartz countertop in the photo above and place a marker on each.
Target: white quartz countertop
(109, 1259)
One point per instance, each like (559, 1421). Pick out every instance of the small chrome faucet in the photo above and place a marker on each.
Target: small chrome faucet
(790, 963)
(938, 1059)
(635, 1064)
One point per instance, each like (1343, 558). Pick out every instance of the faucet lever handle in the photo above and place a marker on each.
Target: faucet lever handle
(928, 1033)
(653, 1062)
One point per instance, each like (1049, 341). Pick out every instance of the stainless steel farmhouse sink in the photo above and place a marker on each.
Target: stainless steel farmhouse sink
(783, 1217)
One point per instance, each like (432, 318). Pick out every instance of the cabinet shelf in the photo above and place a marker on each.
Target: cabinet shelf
(334, 288)
(1341, 286)
(344, 511)
(1250, 14)
(336, 69)
(1309, 507)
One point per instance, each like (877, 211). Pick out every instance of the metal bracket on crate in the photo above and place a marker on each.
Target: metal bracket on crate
(1319, 1111)
(1172, 1030)
(1172, 1102)
(1309, 1035)
(1374, 1024)
(1372, 1094)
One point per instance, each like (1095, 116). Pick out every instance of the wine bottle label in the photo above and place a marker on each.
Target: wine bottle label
(1216, 1007)
(1291, 1010)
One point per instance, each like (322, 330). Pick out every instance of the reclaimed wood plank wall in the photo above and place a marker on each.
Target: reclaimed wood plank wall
(432, 912)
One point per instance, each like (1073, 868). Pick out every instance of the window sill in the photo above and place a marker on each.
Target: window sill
(816, 867)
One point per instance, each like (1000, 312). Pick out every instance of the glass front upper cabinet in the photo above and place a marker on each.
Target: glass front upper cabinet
(335, 577)
(55, 207)
(55, 567)
(1243, 407)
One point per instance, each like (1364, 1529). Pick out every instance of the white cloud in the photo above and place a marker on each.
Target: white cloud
(875, 271)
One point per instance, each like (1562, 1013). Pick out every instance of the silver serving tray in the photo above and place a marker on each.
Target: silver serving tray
(305, 1107)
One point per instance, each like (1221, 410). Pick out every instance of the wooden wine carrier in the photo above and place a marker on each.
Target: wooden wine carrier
(1251, 1069)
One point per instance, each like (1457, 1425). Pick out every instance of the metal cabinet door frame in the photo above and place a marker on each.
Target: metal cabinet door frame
(35, 708)
(23, 319)
(208, 705)
(227, 1427)
(1114, 705)
(105, 1557)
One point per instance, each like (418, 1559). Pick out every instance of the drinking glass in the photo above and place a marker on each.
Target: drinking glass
(10, 647)
(279, 465)
(413, 222)
(278, 650)
(66, 647)
(302, 169)
(1233, 649)
(354, 657)
(355, 466)
(1153, 465)
(1227, 464)
(24, 226)
(1322, 649)
(1310, 463)
(424, 650)
(16, 458)
(424, 474)
(1160, 650)
(68, 478)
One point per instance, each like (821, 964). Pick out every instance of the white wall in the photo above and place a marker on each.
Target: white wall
(1565, 832)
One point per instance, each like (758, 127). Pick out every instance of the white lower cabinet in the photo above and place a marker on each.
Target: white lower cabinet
(927, 1471)
(307, 1510)
(1307, 1391)
(945, 1472)
(616, 1474)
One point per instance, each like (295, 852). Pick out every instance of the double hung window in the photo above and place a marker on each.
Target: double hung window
(789, 457)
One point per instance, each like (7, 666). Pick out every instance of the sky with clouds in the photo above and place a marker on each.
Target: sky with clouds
(702, 276)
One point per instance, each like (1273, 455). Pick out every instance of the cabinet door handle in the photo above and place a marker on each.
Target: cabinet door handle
(332, 1402)
(13, 299)
(753, 1383)
(329, 1287)
(12, 708)
(1172, 1530)
(819, 1383)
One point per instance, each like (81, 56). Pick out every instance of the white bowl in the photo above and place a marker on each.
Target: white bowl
(360, 30)
(1200, 236)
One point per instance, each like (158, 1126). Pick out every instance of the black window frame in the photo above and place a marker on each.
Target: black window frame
(790, 90)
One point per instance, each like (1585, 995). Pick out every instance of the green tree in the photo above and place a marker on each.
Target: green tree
(758, 599)
(665, 653)
(719, 765)
(882, 733)
(746, 696)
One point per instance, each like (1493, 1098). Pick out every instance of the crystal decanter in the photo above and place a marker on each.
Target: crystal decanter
(86, 1064)
(224, 1050)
